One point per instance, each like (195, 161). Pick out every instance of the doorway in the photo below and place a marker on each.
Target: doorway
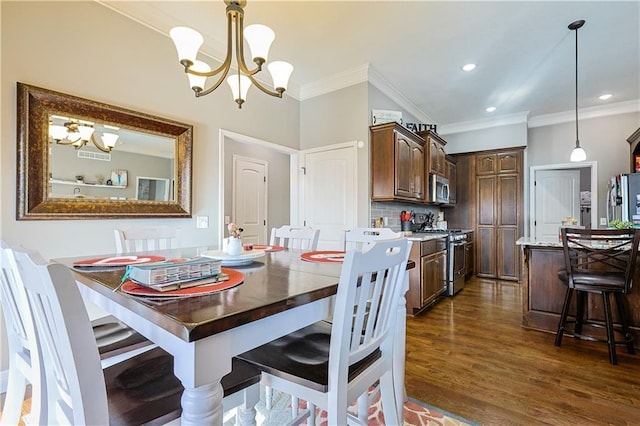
(557, 191)
(280, 162)
(329, 197)
(250, 198)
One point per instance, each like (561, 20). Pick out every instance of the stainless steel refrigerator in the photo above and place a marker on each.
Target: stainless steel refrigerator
(630, 194)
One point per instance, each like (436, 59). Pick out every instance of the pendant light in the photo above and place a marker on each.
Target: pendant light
(578, 153)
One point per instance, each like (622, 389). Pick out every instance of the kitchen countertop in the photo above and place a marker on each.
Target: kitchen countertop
(548, 242)
(417, 236)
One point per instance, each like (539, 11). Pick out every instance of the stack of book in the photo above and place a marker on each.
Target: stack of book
(177, 274)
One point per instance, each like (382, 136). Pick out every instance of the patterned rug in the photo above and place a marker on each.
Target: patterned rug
(416, 413)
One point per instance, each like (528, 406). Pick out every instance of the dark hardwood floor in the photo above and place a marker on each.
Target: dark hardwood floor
(469, 355)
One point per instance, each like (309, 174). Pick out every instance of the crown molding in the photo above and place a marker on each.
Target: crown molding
(586, 113)
(376, 79)
(485, 123)
(334, 82)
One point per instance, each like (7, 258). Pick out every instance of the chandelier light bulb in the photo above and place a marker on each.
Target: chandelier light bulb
(58, 132)
(280, 72)
(197, 82)
(109, 140)
(259, 37)
(239, 93)
(188, 42)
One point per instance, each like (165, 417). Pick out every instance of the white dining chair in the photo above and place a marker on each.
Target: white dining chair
(332, 364)
(116, 342)
(78, 391)
(295, 237)
(24, 369)
(135, 240)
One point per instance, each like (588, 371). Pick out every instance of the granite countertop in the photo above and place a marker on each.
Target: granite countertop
(549, 242)
(416, 236)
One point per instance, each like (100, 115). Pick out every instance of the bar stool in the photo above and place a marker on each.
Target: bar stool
(603, 262)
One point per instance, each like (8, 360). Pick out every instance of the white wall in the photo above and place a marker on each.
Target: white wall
(491, 138)
(604, 139)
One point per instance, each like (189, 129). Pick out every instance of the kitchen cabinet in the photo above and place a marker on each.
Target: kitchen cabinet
(437, 157)
(451, 175)
(634, 145)
(397, 164)
(428, 282)
(498, 163)
(489, 201)
(499, 215)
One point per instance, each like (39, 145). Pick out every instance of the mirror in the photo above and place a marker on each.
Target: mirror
(81, 159)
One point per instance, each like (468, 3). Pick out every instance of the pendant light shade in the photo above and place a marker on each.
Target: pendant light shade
(578, 154)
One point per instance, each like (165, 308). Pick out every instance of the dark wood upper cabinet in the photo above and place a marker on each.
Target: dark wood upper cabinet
(437, 156)
(397, 164)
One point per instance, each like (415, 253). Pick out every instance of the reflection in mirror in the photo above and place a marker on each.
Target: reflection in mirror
(81, 159)
(81, 166)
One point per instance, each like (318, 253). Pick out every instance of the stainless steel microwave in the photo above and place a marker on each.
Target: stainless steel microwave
(438, 189)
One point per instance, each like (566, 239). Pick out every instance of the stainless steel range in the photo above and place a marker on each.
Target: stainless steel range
(456, 240)
(456, 267)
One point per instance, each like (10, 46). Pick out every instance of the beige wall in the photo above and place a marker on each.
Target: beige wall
(84, 49)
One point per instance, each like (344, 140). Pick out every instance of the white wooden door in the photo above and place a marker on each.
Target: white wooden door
(249, 208)
(557, 195)
(329, 195)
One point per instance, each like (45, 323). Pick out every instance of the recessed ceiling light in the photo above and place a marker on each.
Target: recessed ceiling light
(605, 97)
(469, 67)
(490, 109)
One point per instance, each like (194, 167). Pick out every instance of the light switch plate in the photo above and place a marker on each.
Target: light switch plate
(603, 221)
(202, 221)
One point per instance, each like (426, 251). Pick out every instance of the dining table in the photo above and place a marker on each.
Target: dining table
(279, 294)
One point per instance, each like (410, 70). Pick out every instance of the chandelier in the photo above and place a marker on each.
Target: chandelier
(259, 37)
(578, 153)
(79, 133)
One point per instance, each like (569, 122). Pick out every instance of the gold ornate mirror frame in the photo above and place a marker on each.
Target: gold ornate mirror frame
(35, 106)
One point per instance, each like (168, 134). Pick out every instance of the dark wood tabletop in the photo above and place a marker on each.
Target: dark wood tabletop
(274, 283)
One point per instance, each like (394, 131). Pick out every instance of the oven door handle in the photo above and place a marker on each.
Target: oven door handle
(458, 243)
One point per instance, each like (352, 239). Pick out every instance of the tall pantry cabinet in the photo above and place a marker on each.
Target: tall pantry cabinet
(490, 202)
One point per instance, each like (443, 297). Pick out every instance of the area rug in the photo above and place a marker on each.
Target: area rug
(416, 413)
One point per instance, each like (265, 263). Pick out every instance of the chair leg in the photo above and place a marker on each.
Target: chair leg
(268, 397)
(624, 322)
(363, 407)
(295, 404)
(581, 303)
(563, 316)
(392, 413)
(609, 325)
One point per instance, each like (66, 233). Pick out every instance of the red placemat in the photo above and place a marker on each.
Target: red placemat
(327, 256)
(119, 260)
(235, 278)
(267, 248)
